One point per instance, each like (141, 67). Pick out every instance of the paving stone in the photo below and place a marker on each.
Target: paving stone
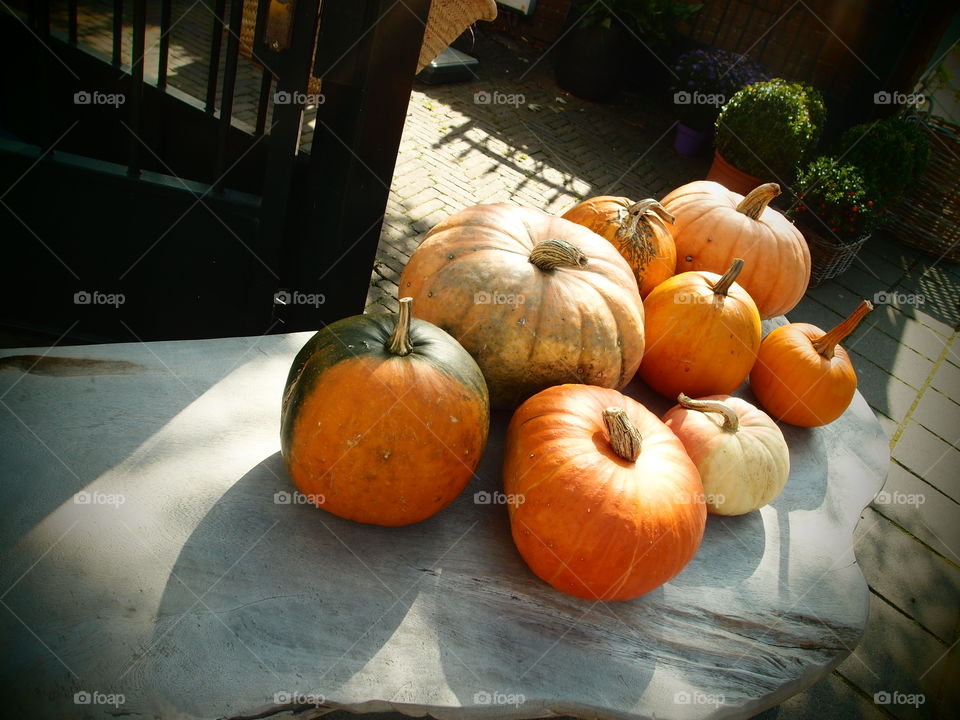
(890, 426)
(832, 697)
(934, 522)
(887, 660)
(947, 380)
(930, 457)
(938, 413)
(915, 306)
(883, 392)
(886, 352)
(922, 585)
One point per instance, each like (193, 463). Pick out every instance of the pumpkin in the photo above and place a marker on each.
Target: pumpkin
(535, 299)
(802, 375)
(384, 418)
(743, 459)
(703, 332)
(608, 505)
(714, 225)
(639, 232)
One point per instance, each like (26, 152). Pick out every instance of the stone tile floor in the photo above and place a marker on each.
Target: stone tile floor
(534, 144)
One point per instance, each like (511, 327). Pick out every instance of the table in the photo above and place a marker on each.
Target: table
(151, 565)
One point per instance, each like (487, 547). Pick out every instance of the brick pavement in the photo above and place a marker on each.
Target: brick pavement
(552, 150)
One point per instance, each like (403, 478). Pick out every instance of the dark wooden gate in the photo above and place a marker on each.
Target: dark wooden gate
(131, 211)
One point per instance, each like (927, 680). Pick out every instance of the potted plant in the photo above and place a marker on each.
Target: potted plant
(592, 56)
(704, 79)
(891, 153)
(836, 210)
(764, 132)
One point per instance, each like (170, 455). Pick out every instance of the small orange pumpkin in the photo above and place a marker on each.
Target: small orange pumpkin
(702, 332)
(608, 505)
(714, 225)
(637, 229)
(802, 375)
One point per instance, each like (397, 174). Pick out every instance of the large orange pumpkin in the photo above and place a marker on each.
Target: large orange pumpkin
(384, 418)
(702, 331)
(535, 299)
(637, 229)
(714, 225)
(608, 504)
(802, 375)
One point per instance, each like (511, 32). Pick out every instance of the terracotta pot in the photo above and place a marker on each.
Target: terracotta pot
(731, 177)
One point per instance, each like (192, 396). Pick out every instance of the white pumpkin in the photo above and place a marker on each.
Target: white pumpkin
(740, 452)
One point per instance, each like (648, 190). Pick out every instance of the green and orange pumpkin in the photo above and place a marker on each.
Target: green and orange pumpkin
(384, 418)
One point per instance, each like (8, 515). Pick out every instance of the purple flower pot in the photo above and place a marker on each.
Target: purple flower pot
(689, 141)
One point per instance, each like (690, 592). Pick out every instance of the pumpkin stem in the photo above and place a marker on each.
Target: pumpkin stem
(757, 200)
(625, 439)
(636, 229)
(399, 343)
(827, 343)
(722, 286)
(730, 420)
(554, 253)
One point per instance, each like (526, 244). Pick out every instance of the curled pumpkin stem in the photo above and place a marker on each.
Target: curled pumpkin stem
(826, 344)
(625, 439)
(554, 253)
(636, 229)
(722, 286)
(756, 200)
(730, 420)
(399, 343)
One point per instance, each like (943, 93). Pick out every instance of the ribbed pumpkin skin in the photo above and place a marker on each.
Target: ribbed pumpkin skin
(709, 232)
(384, 439)
(795, 383)
(653, 257)
(569, 324)
(741, 471)
(592, 524)
(698, 343)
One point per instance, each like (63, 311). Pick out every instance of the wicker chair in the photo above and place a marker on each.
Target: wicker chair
(446, 20)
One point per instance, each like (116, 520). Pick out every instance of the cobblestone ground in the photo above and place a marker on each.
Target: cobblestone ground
(535, 145)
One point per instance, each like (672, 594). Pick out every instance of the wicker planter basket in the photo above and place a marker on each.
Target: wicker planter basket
(445, 21)
(828, 259)
(928, 218)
